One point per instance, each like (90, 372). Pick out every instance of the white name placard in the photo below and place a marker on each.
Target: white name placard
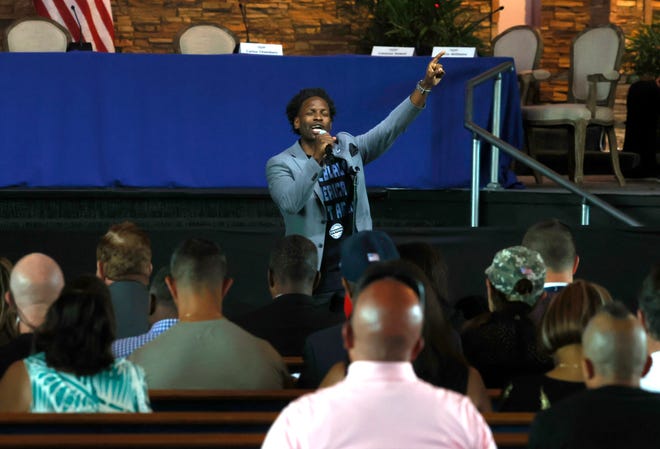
(392, 51)
(455, 52)
(252, 48)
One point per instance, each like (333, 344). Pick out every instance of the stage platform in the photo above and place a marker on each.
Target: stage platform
(66, 224)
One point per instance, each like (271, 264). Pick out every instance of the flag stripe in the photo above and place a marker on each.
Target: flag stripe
(84, 8)
(95, 20)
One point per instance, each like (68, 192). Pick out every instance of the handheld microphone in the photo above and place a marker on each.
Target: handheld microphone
(81, 45)
(243, 9)
(329, 156)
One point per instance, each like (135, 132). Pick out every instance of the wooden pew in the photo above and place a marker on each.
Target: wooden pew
(170, 441)
(136, 441)
(510, 429)
(293, 363)
(124, 423)
(183, 429)
(222, 400)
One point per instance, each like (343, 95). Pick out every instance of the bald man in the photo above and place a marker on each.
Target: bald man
(34, 284)
(613, 412)
(381, 403)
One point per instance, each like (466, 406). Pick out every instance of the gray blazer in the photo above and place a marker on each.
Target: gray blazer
(293, 177)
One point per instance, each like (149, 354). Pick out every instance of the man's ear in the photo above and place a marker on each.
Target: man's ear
(171, 286)
(152, 304)
(347, 287)
(7, 298)
(296, 123)
(151, 269)
(647, 366)
(100, 270)
(347, 335)
(642, 319)
(226, 285)
(419, 345)
(588, 371)
(576, 263)
(271, 279)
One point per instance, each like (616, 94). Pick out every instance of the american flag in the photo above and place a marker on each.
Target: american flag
(95, 18)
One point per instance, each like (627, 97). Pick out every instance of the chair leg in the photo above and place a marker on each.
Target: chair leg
(530, 149)
(614, 156)
(579, 140)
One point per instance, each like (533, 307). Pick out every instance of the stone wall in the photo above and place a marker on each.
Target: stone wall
(303, 27)
(322, 27)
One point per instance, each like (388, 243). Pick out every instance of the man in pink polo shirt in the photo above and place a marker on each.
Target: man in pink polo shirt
(382, 404)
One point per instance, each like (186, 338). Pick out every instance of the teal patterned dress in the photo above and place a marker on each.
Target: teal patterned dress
(120, 388)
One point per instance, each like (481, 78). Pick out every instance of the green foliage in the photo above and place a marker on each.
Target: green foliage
(644, 50)
(422, 24)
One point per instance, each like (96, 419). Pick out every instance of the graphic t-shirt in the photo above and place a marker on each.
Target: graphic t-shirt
(337, 190)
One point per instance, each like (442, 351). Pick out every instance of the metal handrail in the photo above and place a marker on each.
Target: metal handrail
(497, 143)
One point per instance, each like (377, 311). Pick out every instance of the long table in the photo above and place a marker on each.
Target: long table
(159, 121)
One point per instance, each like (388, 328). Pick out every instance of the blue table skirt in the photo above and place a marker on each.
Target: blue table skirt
(97, 120)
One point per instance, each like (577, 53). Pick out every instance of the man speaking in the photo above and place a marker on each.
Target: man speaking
(318, 183)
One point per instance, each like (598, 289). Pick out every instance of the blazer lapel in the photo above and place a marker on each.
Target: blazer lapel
(298, 158)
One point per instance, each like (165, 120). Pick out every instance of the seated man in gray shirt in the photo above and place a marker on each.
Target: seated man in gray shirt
(205, 350)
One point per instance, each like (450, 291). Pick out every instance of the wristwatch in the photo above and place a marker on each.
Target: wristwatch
(421, 89)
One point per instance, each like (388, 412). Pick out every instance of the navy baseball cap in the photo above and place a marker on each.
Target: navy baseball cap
(362, 249)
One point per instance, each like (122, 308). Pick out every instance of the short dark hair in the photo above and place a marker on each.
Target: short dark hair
(554, 241)
(649, 301)
(198, 262)
(294, 259)
(293, 108)
(569, 313)
(125, 250)
(79, 328)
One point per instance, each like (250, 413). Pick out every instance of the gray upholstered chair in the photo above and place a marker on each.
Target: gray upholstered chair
(596, 55)
(524, 44)
(36, 34)
(205, 39)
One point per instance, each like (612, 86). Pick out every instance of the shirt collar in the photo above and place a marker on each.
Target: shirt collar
(364, 370)
(163, 325)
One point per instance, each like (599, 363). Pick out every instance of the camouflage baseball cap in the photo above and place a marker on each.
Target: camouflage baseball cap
(513, 264)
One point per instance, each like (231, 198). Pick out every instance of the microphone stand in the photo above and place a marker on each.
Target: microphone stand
(243, 9)
(81, 45)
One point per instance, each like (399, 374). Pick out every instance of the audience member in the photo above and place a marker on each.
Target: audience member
(437, 363)
(35, 283)
(561, 336)
(643, 127)
(649, 316)
(613, 412)
(381, 403)
(503, 343)
(554, 241)
(74, 369)
(430, 260)
(204, 350)
(324, 348)
(162, 316)
(123, 262)
(8, 329)
(294, 313)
